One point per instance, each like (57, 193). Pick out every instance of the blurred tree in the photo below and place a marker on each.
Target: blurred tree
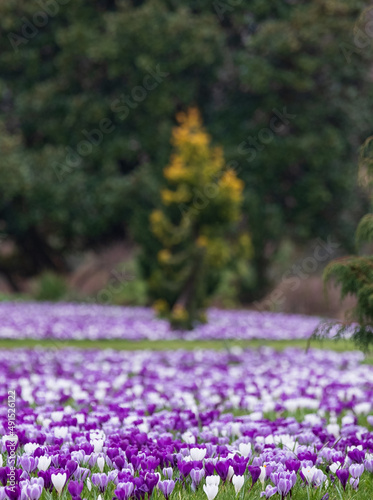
(299, 109)
(88, 95)
(355, 273)
(199, 206)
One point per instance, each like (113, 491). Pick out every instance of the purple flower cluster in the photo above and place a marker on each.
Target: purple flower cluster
(121, 424)
(81, 321)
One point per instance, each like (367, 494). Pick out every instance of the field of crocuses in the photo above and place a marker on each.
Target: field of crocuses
(174, 424)
(93, 322)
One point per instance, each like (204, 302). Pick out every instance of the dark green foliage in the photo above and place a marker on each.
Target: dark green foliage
(364, 232)
(354, 274)
(50, 287)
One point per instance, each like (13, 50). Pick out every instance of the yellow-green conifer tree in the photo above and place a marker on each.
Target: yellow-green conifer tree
(194, 227)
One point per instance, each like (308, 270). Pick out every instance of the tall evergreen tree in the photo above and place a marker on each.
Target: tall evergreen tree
(200, 203)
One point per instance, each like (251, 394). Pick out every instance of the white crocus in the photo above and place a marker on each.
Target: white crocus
(308, 473)
(101, 463)
(245, 449)
(333, 429)
(97, 445)
(213, 480)
(334, 467)
(230, 473)
(29, 448)
(59, 481)
(263, 473)
(237, 483)
(211, 491)
(197, 453)
(89, 484)
(188, 437)
(44, 462)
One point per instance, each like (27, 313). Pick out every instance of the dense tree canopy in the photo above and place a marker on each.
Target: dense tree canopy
(90, 90)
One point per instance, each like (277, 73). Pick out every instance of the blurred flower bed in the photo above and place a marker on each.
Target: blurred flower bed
(93, 322)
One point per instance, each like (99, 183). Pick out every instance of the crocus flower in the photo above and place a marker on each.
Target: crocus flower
(263, 475)
(356, 456)
(4, 471)
(255, 473)
(27, 463)
(245, 449)
(124, 490)
(75, 489)
(334, 467)
(222, 468)
(100, 480)
(13, 492)
(101, 463)
(354, 482)
(238, 482)
(166, 487)
(33, 491)
(269, 491)
(342, 475)
(167, 472)
(215, 480)
(368, 464)
(59, 481)
(292, 465)
(44, 462)
(356, 470)
(97, 445)
(283, 487)
(197, 453)
(196, 475)
(211, 491)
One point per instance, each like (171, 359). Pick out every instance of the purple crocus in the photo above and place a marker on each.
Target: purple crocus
(292, 465)
(13, 492)
(197, 475)
(168, 472)
(368, 464)
(222, 468)
(100, 480)
(184, 468)
(71, 466)
(283, 487)
(354, 482)
(356, 470)
(167, 487)
(4, 471)
(47, 477)
(209, 467)
(27, 463)
(75, 489)
(342, 475)
(239, 465)
(255, 473)
(269, 491)
(32, 491)
(356, 456)
(124, 490)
